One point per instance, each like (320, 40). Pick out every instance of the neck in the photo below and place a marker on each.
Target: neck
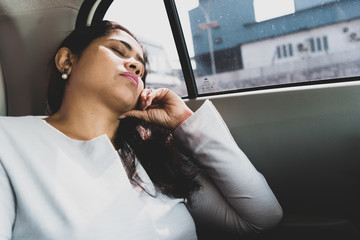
(86, 122)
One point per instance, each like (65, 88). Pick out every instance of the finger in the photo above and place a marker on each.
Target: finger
(143, 97)
(147, 91)
(153, 94)
(134, 113)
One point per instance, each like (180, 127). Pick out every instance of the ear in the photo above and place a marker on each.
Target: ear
(64, 58)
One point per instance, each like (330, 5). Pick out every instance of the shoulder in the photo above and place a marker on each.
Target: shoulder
(17, 132)
(18, 123)
(5, 120)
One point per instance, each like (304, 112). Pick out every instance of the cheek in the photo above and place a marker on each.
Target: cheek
(99, 62)
(140, 89)
(141, 86)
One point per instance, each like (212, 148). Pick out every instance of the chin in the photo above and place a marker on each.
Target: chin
(128, 106)
(125, 102)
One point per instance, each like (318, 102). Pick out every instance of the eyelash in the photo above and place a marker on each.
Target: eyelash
(119, 52)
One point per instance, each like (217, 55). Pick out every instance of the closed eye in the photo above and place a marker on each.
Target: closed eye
(118, 52)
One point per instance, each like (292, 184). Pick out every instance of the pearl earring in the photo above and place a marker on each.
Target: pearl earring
(65, 74)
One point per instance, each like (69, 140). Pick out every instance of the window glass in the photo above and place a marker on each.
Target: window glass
(238, 44)
(2, 94)
(148, 21)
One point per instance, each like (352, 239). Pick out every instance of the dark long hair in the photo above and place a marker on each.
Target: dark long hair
(166, 163)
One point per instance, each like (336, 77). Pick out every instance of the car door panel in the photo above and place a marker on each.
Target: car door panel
(305, 141)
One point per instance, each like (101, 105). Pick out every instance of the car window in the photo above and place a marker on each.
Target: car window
(153, 30)
(242, 44)
(2, 94)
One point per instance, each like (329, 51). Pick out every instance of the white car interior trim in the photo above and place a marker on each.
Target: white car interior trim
(92, 12)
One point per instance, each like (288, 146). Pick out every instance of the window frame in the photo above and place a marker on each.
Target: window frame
(4, 111)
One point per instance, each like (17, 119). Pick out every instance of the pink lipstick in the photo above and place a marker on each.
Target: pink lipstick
(132, 77)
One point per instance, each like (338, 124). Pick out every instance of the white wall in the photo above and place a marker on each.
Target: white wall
(304, 4)
(264, 52)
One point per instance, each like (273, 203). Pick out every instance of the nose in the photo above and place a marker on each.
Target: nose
(134, 66)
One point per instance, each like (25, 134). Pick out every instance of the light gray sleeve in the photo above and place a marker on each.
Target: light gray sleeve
(7, 206)
(234, 196)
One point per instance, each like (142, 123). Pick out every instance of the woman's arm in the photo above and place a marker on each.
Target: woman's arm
(234, 196)
(7, 206)
(240, 199)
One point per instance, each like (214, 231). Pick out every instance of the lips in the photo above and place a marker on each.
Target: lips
(132, 77)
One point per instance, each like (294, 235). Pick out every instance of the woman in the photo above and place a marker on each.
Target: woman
(117, 161)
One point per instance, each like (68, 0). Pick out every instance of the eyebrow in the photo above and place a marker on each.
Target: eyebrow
(128, 46)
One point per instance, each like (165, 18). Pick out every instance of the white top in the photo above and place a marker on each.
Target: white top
(55, 187)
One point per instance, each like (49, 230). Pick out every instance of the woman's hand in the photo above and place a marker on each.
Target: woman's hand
(162, 107)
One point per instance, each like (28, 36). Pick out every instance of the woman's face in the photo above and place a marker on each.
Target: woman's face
(109, 71)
